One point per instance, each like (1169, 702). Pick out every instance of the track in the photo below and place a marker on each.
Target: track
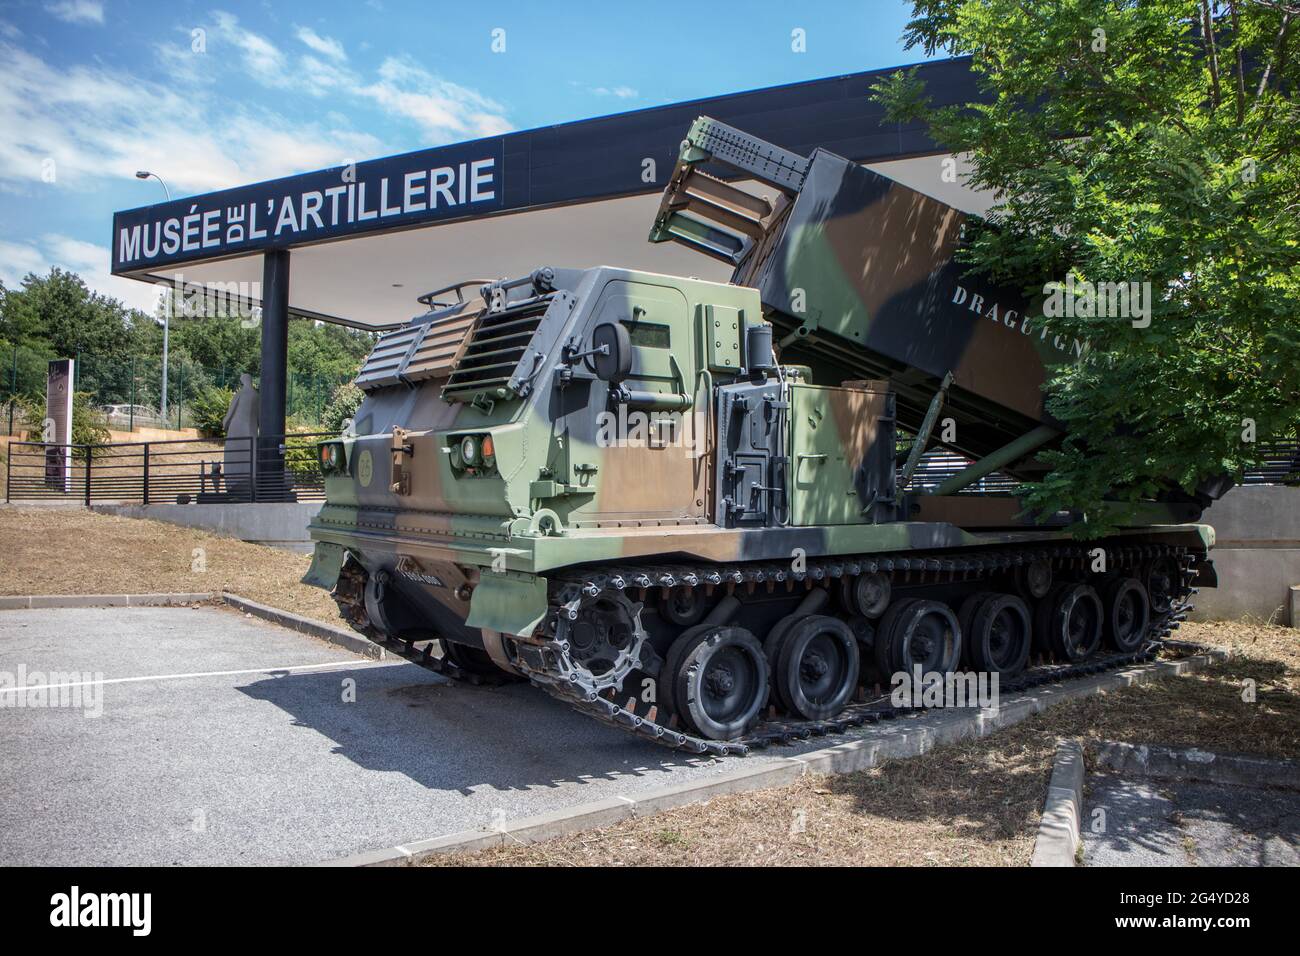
(775, 732)
(547, 663)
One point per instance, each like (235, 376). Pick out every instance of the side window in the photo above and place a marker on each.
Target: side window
(648, 335)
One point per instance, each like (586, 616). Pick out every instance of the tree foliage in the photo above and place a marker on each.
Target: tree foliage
(1152, 141)
(120, 349)
(343, 405)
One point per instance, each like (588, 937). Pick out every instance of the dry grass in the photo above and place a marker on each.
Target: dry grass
(104, 554)
(974, 803)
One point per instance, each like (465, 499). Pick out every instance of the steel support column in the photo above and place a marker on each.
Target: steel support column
(269, 466)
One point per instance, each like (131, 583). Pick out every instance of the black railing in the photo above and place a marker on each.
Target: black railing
(937, 467)
(286, 468)
(1279, 464)
(280, 468)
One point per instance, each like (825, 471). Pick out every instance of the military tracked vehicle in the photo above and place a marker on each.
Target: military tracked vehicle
(690, 508)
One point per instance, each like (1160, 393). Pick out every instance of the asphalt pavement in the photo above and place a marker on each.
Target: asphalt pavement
(218, 738)
(1149, 822)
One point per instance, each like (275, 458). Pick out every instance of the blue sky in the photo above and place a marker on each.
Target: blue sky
(211, 95)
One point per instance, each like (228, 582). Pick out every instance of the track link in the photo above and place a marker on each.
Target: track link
(422, 651)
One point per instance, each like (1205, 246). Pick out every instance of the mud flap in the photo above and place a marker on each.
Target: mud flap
(511, 604)
(326, 561)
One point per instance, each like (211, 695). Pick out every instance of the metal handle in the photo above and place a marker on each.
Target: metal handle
(427, 298)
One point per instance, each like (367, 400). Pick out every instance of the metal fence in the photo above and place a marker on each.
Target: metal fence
(237, 470)
(937, 467)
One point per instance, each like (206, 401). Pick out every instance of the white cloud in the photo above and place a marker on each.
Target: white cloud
(260, 56)
(622, 92)
(78, 11)
(88, 260)
(94, 122)
(321, 77)
(445, 111)
(264, 62)
(326, 46)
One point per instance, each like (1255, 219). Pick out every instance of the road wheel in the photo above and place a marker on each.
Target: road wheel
(883, 650)
(1128, 614)
(848, 599)
(772, 648)
(720, 682)
(871, 594)
(922, 634)
(1070, 621)
(683, 606)
(1034, 580)
(665, 683)
(999, 636)
(966, 616)
(817, 667)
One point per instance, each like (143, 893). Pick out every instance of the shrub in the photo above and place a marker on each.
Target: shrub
(208, 411)
(89, 424)
(343, 405)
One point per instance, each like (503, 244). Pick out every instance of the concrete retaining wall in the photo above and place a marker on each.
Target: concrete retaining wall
(1257, 555)
(281, 525)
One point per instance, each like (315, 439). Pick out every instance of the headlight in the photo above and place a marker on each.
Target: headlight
(469, 450)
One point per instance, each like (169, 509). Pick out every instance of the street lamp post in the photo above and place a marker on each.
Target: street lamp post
(162, 411)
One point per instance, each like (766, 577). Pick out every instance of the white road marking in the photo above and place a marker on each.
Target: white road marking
(131, 680)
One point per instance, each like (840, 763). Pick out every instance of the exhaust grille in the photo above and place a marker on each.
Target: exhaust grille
(383, 366)
(494, 351)
(435, 355)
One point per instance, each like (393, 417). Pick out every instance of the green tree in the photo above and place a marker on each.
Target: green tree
(120, 349)
(1138, 142)
(343, 405)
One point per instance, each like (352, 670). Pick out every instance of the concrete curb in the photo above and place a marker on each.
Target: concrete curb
(890, 740)
(1193, 764)
(347, 639)
(25, 601)
(1059, 829)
